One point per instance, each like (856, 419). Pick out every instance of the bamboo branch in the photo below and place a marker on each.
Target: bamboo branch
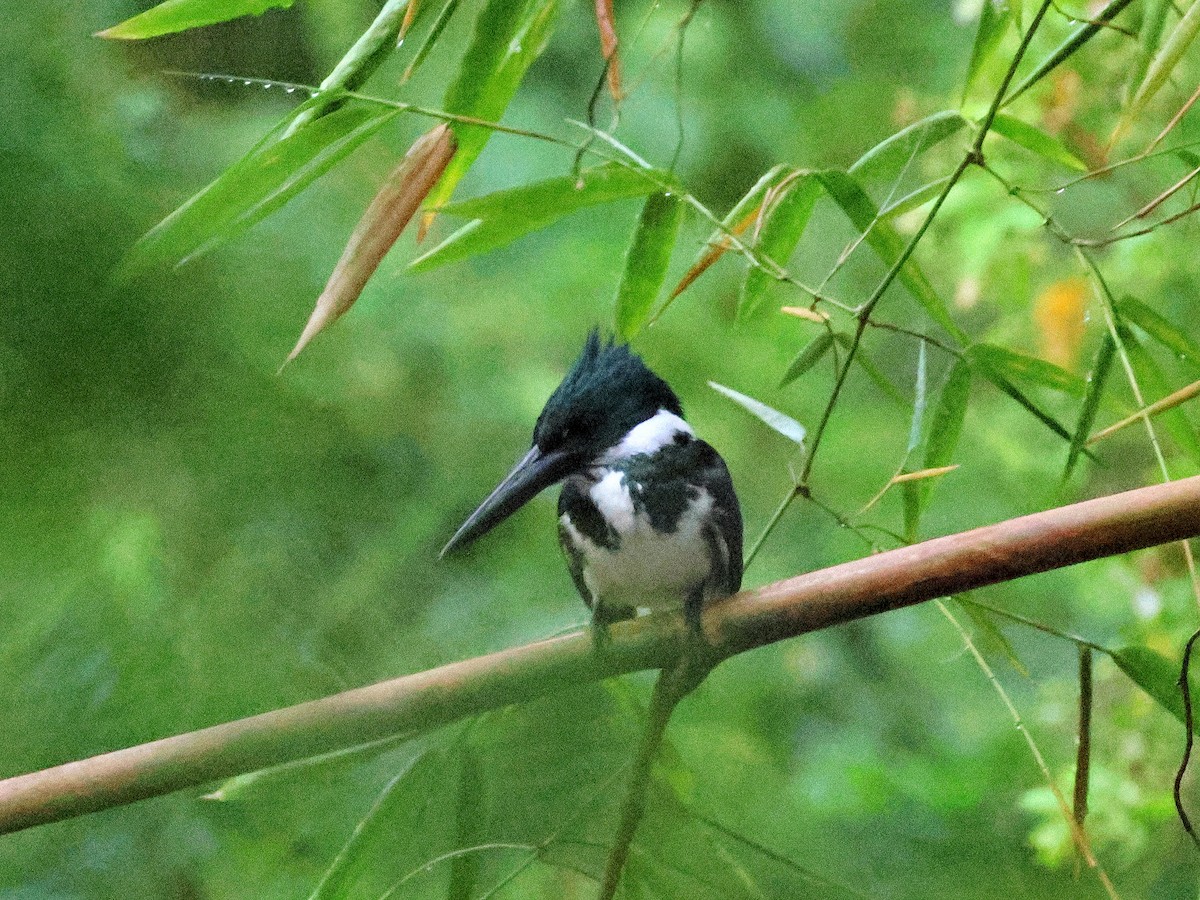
(424, 700)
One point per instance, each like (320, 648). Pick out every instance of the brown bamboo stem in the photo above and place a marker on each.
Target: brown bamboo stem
(413, 703)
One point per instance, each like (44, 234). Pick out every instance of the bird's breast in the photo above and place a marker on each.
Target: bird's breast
(632, 553)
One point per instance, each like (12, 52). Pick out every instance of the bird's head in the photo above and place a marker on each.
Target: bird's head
(595, 412)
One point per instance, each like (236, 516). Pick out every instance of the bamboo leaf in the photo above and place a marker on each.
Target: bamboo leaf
(994, 19)
(1154, 17)
(1096, 380)
(916, 198)
(889, 157)
(1036, 141)
(394, 205)
(785, 222)
(255, 186)
(946, 425)
(509, 36)
(808, 357)
(773, 418)
(1027, 368)
(502, 217)
(1069, 47)
(1162, 65)
(646, 262)
(741, 217)
(1154, 674)
(1155, 384)
(919, 402)
(180, 15)
(887, 244)
(989, 637)
(435, 32)
(1132, 310)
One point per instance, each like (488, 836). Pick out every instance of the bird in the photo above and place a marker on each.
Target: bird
(648, 517)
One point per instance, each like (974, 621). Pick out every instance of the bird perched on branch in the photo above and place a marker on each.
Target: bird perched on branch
(648, 517)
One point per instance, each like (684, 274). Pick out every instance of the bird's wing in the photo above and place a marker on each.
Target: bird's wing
(725, 535)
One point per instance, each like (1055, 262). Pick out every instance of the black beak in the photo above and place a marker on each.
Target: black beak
(533, 474)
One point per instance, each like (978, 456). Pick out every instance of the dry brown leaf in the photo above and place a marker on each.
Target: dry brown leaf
(803, 312)
(716, 252)
(608, 46)
(399, 197)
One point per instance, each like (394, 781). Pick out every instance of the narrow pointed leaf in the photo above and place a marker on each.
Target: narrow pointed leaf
(785, 221)
(646, 263)
(812, 353)
(1163, 64)
(1154, 17)
(1026, 368)
(889, 157)
(398, 199)
(946, 425)
(1036, 141)
(887, 244)
(180, 15)
(1154, 384)
(739, 219)
(916, 198)
(435, 32)
(1175, 339)
(994, 19)
(1157, 676)
(502, 217)
(1096, 381)
(255, 186)
(989, 637)
(919, 402)
(773, 418)
(509, 36)
(1069, 47)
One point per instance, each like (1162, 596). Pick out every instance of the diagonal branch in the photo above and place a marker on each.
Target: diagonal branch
(424, 700)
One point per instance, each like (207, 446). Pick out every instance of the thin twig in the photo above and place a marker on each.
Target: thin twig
(1185, 689)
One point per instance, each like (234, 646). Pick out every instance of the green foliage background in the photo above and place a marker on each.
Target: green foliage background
(189, 538)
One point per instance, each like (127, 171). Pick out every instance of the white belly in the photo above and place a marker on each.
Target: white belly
(648, 569)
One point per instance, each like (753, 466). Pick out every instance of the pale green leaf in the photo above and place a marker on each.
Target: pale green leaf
(499, 218)
(180, 15)
(255, 186)
(808, 357)
(773, 418)
(1036, 141)
(646, 263)
(785, 221)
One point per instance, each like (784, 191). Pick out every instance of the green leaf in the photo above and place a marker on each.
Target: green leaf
(1069, 47)
(946, 425)
(1162, 65)
(646, 263)
(994, 19)
(509, 36)
(502, 217)
(892, 155)
(1037, 141)
(435, 32)
(1011, 364)
(887, 244)
(255, 186)
(808, 357)
(919, 402)
(1157, 676)
(180, 15)
(1130, 309)
(914, 199)
(773, 418)
(1091, 402)
(1154, 17)
(989, 638)
(1154, 385)
(785, 223)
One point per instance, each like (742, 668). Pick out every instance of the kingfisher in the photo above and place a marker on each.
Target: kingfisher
(647, 517)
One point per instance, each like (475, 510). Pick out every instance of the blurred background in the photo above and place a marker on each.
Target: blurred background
(188, 537)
